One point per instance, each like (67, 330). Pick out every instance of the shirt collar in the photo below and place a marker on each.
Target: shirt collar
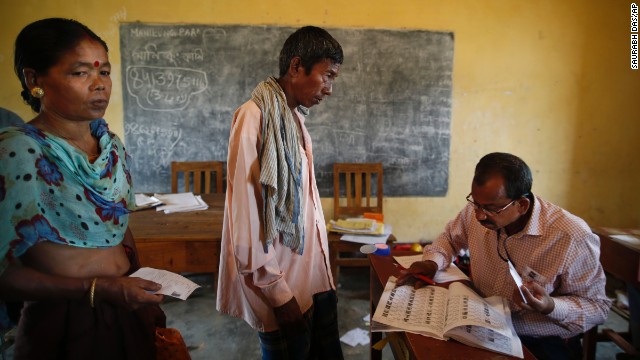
(534, 225)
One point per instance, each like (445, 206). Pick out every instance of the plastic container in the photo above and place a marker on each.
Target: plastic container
(377, 249)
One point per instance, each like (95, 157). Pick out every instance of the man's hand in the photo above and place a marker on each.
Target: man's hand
(427, 268)
(537, 298)
(290, 319)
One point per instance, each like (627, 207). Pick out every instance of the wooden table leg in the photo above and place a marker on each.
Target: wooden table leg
(374, 295)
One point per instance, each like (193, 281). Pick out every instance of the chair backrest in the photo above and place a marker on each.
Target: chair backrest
(362, 191)
(197, 173)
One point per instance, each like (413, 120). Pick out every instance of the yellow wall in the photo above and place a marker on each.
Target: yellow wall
(549, 81)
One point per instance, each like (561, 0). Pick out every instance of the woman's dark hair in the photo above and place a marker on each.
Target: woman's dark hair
(515, 172)
(312, 44)
(41, 44)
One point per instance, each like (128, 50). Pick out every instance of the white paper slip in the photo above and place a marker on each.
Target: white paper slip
(452, 273)
(366, 239)
(516, 277)
(143, 201)
(180, 202)
(630, 239)
(180, 199)
(406, 261)
(610, 230)
(355, 337)
(173, 284)
(201, 206)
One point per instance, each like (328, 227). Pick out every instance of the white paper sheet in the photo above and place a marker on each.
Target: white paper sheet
(173, 284)
(180, 202)
(369, 239)
(355, 337)
(629, 239)
(452, 273)
(516, 277)
(143, 201)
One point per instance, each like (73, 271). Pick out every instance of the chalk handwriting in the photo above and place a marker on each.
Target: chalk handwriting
(150, 52)
(164, 88)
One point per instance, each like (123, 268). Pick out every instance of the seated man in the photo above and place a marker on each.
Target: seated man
(554, 251)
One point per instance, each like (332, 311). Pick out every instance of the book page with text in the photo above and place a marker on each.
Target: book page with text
(465, 307)
(403, 308)
(482, 337)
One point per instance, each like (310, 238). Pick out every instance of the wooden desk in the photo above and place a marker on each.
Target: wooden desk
(337, 246)
(180, 242)
(621, 260)
(420, 347)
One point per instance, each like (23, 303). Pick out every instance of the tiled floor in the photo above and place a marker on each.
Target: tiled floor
(211, 335)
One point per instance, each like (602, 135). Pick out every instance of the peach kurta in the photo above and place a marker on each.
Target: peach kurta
(251, 281)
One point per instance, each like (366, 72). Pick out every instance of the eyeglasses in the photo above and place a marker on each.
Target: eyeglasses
(487, 211)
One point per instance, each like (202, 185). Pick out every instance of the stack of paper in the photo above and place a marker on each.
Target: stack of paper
(361, 230)
(356, 226)
(143, 201)
(369, 239)
(180, 202)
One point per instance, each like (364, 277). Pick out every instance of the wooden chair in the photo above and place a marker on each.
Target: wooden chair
(198, 173)
(355, 199)
(622, 340)
(357, 189)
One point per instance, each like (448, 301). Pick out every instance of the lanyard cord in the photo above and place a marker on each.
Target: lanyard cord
(508, 258)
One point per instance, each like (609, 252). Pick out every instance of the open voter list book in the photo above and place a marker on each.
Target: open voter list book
(458, 313)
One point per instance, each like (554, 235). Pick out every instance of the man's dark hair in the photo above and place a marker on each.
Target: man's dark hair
(41, 44)
(312, 44)
(515, 172)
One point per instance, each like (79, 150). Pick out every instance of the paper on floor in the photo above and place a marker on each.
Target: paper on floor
(356, 337)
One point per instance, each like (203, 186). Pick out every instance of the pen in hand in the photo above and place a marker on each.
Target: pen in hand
(417, 276)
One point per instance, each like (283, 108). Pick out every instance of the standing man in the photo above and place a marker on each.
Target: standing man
(554, 251)
(274, 261)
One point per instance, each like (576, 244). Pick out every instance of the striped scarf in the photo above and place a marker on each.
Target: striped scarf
(280, 167)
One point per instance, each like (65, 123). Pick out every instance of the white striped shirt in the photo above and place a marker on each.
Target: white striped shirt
(555, 244)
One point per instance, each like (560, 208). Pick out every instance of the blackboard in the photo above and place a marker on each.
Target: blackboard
(391, 102)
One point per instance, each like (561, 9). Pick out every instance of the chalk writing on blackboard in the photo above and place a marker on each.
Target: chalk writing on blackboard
(391, 102)
(164, 88)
